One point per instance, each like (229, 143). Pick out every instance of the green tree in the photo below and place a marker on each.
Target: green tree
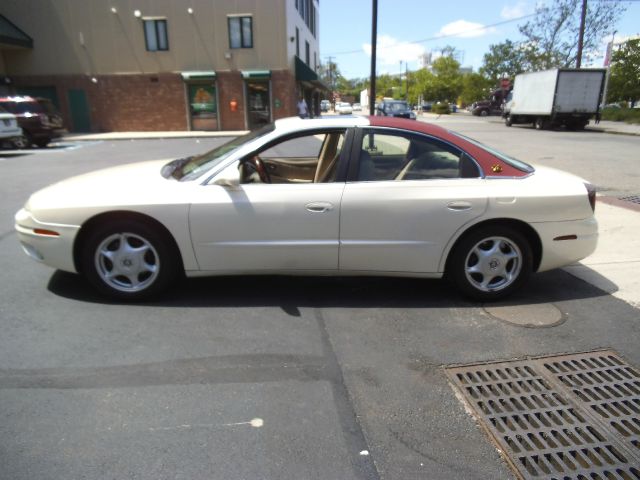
(475, 86)
(506, 59)
(624, 83)
(420, 85)
(552, 35)
(448, 79)
(388, 86)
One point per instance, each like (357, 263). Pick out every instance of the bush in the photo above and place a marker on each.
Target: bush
(441, 108)
(629, 115)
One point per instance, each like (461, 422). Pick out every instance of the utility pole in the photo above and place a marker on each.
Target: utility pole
(374, 37)
(330, 66)
(581, 36)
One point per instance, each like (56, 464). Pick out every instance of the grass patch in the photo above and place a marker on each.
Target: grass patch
(628, 115)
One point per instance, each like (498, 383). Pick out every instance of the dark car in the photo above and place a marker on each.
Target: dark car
(395, 108)
(38, 118)
(426, 106)
(483, 108)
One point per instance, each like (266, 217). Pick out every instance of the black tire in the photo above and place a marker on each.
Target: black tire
(483, 113)
(42, 143)
(20, 142)
(539, 124)
(508, 121)
(491, 277)
(29, 140)
(147, 266)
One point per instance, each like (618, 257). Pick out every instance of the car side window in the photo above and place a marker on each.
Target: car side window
(404, 156)
(310, 158)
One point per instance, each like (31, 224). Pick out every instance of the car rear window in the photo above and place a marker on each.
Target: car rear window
(513, 162)
(22, 107)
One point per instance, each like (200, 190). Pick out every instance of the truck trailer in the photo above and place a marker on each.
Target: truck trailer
(553, 98)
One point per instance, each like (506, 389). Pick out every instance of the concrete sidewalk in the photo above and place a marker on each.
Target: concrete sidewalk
(615, 264)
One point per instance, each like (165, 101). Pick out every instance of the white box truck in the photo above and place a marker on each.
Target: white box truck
(554, 98)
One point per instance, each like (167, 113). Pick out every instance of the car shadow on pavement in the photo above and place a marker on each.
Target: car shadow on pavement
(290, 293)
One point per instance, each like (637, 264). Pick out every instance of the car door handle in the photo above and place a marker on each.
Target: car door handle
(319, 207)
(459, 206)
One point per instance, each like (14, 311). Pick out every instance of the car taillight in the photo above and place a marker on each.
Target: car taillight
(591, 194)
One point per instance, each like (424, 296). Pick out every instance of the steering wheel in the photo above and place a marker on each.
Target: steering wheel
(257, 163)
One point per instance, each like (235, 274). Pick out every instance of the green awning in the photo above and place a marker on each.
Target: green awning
(256, 74)
(199, 75)
(11, 35)
(303, 72)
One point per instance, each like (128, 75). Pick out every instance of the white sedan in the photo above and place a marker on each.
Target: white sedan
(345, 196)
(343, 108)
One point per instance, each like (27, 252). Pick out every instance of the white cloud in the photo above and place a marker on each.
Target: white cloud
(464, 29)
(391, 51)
(509, 12)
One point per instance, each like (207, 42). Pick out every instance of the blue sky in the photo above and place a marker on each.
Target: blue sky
(345, 30)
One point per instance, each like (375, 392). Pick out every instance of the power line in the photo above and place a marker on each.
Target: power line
(482, 27)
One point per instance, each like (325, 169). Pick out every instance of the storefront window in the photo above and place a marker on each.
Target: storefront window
(203, 107)
(259, 111)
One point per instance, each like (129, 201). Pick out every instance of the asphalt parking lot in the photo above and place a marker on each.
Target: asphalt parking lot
(273, 377)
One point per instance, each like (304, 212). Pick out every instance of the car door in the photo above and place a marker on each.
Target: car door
(402, 221)
(271, 227)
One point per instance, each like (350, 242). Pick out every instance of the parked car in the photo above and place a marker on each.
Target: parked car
(10, 132)
(426, 106)
(357, 107)
(405, 198)
(395, 108)
(38, 119)
(484, 108)
(325, 105)
(344, 108)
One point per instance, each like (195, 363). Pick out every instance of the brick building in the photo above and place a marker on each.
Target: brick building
(125, 65)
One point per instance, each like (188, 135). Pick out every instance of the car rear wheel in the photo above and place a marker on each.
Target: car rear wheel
(483, 113)
(508, 121)
(129, 260)
(490, 263)
(541, 124)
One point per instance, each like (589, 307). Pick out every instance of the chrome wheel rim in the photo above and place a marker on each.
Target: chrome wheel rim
(493, 264)
(127, 262)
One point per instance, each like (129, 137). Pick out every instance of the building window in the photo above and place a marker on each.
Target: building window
(240, 32)
(155, 35)
(308, 13)
(307, 52)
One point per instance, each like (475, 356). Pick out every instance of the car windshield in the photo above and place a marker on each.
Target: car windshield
(514, 162)
(192, 167)
(398, 106)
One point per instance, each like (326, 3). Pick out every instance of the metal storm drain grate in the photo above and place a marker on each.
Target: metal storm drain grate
(631, 198)
(565, 417)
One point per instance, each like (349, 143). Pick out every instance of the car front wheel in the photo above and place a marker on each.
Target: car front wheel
(129, 260)
(490, 263)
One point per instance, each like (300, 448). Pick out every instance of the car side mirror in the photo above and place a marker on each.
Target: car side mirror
(229, 177)
(227, 182)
